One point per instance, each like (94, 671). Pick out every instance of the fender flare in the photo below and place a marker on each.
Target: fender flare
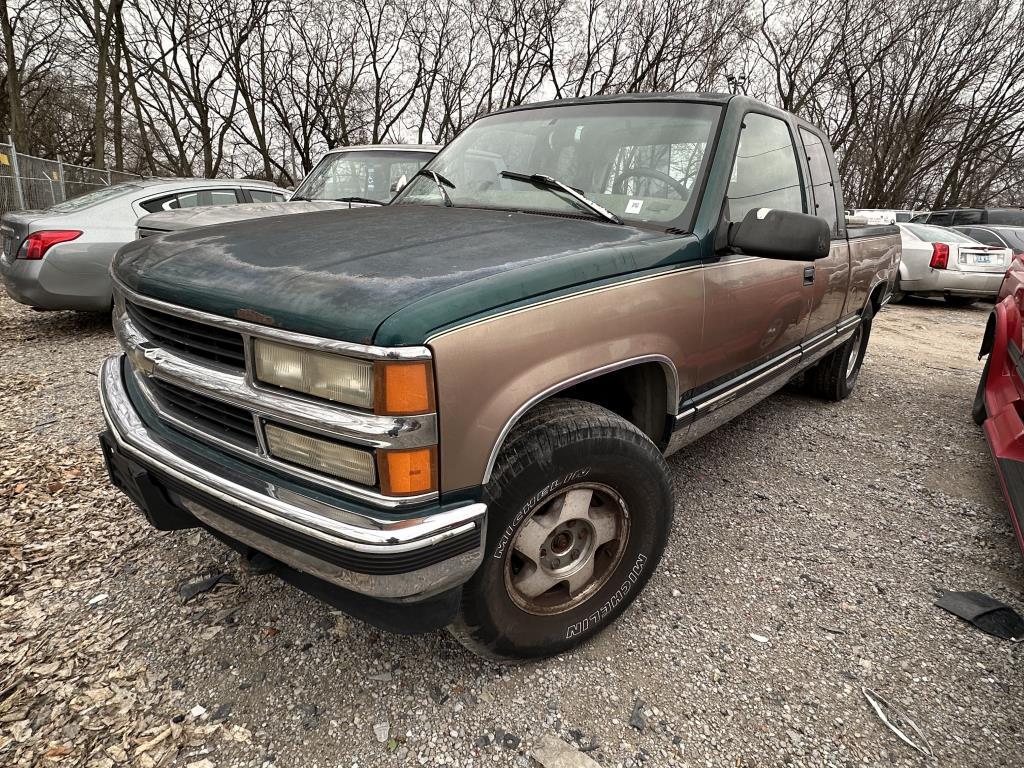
(989, 337)
(880, 286)
(1005, 325)
(671, 384)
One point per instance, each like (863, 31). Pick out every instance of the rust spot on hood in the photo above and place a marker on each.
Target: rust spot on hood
(253, 316)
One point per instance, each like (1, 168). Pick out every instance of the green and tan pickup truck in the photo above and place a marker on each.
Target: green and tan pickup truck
(454, 410)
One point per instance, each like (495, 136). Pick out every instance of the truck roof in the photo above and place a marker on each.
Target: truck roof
(705, 98)
(722, 99)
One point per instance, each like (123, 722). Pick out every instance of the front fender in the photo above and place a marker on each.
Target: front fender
(490, 372)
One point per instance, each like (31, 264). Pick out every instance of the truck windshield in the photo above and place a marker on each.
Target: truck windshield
(371, 174)
(642, 161)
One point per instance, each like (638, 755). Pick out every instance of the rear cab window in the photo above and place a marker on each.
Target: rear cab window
(823, 191)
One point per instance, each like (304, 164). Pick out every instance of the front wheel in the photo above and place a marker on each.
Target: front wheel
(835, 376)
(579, 509)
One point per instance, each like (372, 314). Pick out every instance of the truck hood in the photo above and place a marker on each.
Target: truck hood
(342, 275)
(189, 218)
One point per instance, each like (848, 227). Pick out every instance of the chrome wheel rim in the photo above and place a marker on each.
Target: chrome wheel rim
(567, 549)
(851, 364)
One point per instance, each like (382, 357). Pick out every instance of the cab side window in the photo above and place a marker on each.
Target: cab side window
(823, 193)
(765, 173)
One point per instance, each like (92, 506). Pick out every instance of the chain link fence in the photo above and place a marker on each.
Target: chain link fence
(28, 182)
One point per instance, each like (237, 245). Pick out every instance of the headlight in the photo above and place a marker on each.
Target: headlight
(320, 374)
(392, 388)
(321, 455)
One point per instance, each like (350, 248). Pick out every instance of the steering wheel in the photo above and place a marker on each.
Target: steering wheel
(649, 173)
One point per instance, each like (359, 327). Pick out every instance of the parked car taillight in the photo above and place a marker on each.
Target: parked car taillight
(940, 256)
(38, 243)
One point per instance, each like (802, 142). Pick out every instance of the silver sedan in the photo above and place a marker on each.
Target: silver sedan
(348, 177)
(60, 258)
(940, 262)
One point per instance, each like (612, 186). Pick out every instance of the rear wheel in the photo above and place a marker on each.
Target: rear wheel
(959, 301)
(835, 376)
(579, 509)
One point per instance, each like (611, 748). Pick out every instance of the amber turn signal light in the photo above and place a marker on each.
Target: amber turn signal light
(404, 473)
(404, 389)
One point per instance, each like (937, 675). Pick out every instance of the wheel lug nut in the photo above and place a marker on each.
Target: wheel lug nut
(575, 554)
(554, 563)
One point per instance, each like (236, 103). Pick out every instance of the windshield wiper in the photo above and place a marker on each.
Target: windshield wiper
(441, 183)
(358, 200)
(546, 182)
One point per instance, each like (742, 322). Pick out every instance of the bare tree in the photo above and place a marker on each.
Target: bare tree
(921, 99)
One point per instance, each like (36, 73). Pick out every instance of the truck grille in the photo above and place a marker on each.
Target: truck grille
(197, 339)
(227, 422)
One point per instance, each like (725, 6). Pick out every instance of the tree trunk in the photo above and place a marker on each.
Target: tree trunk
(116, 98)
(13, 82)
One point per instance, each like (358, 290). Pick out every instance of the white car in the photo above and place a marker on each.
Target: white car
(884, 215)
(349, 177)
(941, 262)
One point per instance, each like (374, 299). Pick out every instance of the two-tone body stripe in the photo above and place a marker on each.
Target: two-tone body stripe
(786, 362)
(597, 289)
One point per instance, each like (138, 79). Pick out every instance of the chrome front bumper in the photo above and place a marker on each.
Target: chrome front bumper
(302, 531)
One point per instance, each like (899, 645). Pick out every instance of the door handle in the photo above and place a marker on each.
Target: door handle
(809, 275)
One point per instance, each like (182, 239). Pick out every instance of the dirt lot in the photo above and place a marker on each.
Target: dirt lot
(823, 529)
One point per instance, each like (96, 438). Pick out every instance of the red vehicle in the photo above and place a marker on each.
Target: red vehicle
(999, 402)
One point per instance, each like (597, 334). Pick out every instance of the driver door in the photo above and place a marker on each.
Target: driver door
(755, 310)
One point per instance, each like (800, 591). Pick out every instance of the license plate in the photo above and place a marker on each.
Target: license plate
(982, 259)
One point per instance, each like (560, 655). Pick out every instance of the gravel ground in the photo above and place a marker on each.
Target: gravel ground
(824, 529)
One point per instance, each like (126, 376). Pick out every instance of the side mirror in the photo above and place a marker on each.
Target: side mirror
(775, 234)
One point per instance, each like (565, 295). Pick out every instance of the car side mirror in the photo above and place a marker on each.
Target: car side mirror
(775, 234)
